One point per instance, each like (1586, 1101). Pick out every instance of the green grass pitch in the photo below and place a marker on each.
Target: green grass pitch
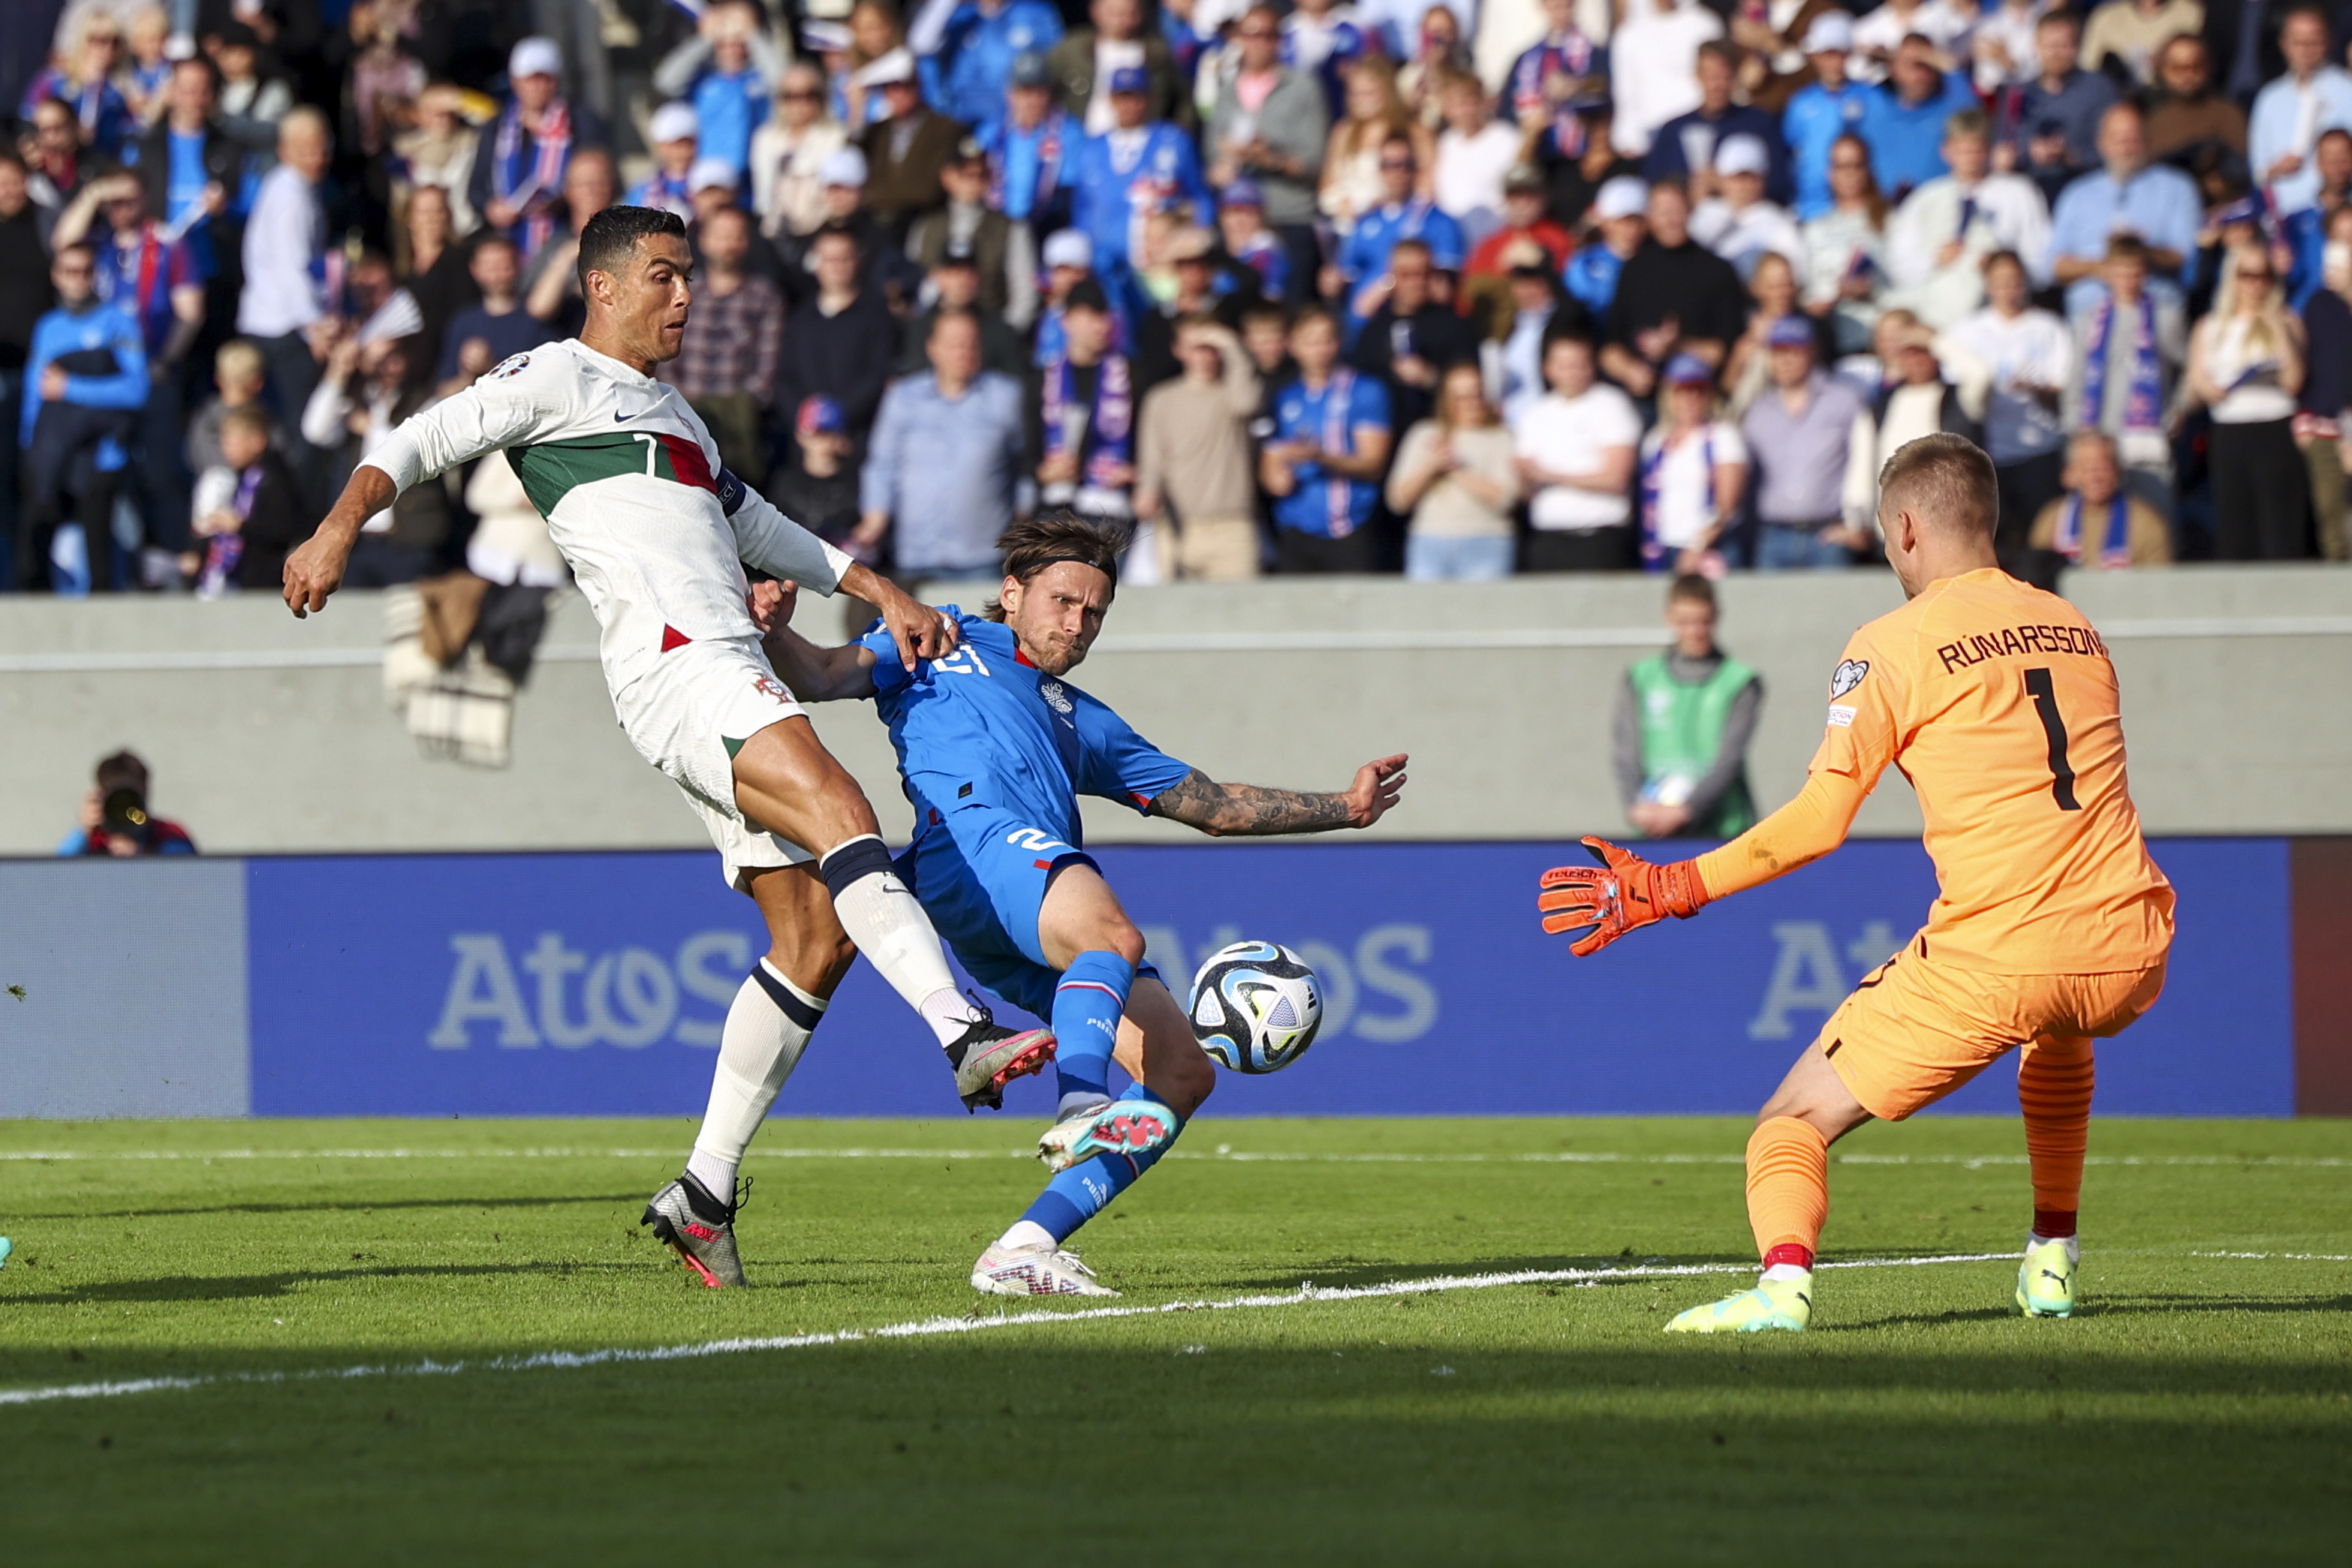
(2198, 1411)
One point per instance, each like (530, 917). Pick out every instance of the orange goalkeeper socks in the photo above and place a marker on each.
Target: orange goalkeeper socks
(1787, 1188)
(2053, 1089)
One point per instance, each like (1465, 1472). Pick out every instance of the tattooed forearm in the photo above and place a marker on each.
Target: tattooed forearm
(1244, 809)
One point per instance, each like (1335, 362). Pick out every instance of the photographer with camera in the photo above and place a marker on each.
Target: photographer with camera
(115, 820)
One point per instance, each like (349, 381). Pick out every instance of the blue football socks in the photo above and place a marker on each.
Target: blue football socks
(1087, 1008)
(1077, 1195)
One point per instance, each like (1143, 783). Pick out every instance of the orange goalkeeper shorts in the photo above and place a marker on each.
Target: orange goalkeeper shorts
(1916, 1029)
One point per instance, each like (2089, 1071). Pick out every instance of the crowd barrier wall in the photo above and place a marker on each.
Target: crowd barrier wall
(563, 984)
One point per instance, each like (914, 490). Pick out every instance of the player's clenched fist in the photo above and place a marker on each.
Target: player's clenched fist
(1622, 893)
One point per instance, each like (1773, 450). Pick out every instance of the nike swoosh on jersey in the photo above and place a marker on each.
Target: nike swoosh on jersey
(621, 418)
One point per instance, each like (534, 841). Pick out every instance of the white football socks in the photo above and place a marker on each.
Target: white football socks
(768, 1026)
(1027, 1233)
(891, 929)
(1782, 1273)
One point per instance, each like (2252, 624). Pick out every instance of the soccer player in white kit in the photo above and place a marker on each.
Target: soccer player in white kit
(657, 535)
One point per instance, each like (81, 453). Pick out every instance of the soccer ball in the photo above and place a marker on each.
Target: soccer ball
(1255, 1007)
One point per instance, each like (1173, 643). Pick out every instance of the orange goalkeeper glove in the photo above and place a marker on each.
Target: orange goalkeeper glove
(1622, 893)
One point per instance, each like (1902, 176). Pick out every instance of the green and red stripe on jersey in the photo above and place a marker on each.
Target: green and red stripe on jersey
(550, 470)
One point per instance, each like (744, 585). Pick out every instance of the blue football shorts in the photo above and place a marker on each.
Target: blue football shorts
(980, 874)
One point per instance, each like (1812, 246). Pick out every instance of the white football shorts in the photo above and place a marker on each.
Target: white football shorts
(687, 711)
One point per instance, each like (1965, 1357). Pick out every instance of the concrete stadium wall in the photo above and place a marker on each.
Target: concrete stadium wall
(268, 735)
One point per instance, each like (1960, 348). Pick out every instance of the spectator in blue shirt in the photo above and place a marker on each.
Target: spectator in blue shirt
(2155, 202)
(1323, 466)
(1903, 123)
(729, 74)
(943, 469)
(1685, 146)
(2050, 125)
(1030, 146)
(85, 86)
(85, 378)
(1621, 212)
(2289, 114)
(155, 279)
(1821, 112)
(1136, 168)
(1364, 256)
(983, 37)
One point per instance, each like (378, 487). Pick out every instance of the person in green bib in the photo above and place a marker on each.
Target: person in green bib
(1682, 728)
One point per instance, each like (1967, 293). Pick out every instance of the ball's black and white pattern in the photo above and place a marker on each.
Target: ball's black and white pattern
(1255, 1007)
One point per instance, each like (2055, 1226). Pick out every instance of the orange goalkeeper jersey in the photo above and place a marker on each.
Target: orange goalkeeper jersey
(1998, 702)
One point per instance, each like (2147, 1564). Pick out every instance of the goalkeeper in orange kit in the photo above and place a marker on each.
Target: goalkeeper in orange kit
(2000, 703)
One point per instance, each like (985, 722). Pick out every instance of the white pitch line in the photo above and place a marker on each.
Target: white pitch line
(2293, 1256)
(923, 1327)
(1597, 1157)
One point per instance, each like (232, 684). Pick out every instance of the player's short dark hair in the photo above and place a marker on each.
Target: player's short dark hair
(123, 770)
(1691, 586)
(1055, 535)
(1946, 480)
(608, 238)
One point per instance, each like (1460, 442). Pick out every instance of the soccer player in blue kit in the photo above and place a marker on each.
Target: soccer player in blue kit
(995, 747)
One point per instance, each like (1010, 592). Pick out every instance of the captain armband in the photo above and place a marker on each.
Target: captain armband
(732, 492)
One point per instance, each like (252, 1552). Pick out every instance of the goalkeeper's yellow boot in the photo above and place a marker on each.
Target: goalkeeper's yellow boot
(2045, 1279)
(1772, 1304)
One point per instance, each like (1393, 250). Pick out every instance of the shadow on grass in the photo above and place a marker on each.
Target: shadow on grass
(2138, 1305)
(552, 1201)
(867, 1454)
(262, 1287)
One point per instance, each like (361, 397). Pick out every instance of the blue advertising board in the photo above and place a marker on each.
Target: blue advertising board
(595, 984)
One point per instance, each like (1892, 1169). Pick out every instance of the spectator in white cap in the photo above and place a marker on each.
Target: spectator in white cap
(843, 177)
(711, 182)
(520, 165)
(1068, 258)
(905, 153)
(789, 154)
(673, 133)
(1737, 223)
(728, 71)
(1825, 108)
(1620, 217)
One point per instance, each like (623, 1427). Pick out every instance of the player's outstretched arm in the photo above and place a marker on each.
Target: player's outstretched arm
(492, 413)
(315, 568)
(1625, 893)
(1247, 810)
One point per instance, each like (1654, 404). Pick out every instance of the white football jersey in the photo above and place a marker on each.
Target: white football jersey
(656, 533)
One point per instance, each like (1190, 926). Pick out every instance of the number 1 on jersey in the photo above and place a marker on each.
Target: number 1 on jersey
(2046, 703)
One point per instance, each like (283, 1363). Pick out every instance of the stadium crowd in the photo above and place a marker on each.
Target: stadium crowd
(1459, 288)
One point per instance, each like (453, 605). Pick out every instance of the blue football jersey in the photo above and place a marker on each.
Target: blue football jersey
(983, 727)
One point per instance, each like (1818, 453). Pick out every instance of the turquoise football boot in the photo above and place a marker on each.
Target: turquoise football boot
(2045, 1281)
(1772, 1304)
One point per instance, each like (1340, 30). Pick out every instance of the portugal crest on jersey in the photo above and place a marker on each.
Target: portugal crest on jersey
(1848, 675)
